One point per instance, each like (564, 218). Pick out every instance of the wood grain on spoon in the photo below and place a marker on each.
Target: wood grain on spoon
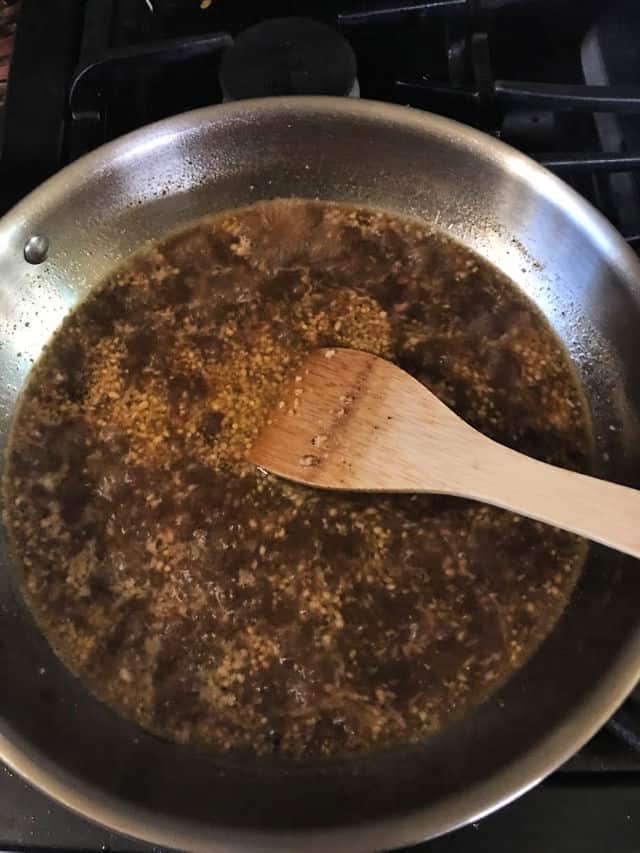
(353, 421)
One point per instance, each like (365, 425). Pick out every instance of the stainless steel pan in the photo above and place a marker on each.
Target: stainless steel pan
(524, 220)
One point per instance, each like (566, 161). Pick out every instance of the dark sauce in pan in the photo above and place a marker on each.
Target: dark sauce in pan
(220, 607)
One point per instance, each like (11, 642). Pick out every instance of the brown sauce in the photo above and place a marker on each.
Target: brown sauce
(218, 606)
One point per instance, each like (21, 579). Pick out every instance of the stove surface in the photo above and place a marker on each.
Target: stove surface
(558, 79)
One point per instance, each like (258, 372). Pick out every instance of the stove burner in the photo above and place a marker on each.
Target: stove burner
(288, 56)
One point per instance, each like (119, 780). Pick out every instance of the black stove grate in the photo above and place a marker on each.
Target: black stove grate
(120, 46)
(564, 97)
(114, 65)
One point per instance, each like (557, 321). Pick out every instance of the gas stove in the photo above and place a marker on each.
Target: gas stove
(558, 79)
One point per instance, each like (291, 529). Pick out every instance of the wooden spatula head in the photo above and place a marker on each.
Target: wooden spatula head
(351, 420)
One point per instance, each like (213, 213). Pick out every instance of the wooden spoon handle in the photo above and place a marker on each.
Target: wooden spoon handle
(596, 509)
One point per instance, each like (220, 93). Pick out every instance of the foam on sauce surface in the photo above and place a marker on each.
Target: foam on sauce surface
(218, 606)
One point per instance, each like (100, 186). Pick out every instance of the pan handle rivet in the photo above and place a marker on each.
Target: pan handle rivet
(36, 248)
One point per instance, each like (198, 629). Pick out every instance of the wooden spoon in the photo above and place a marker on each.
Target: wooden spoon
(355, 421)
